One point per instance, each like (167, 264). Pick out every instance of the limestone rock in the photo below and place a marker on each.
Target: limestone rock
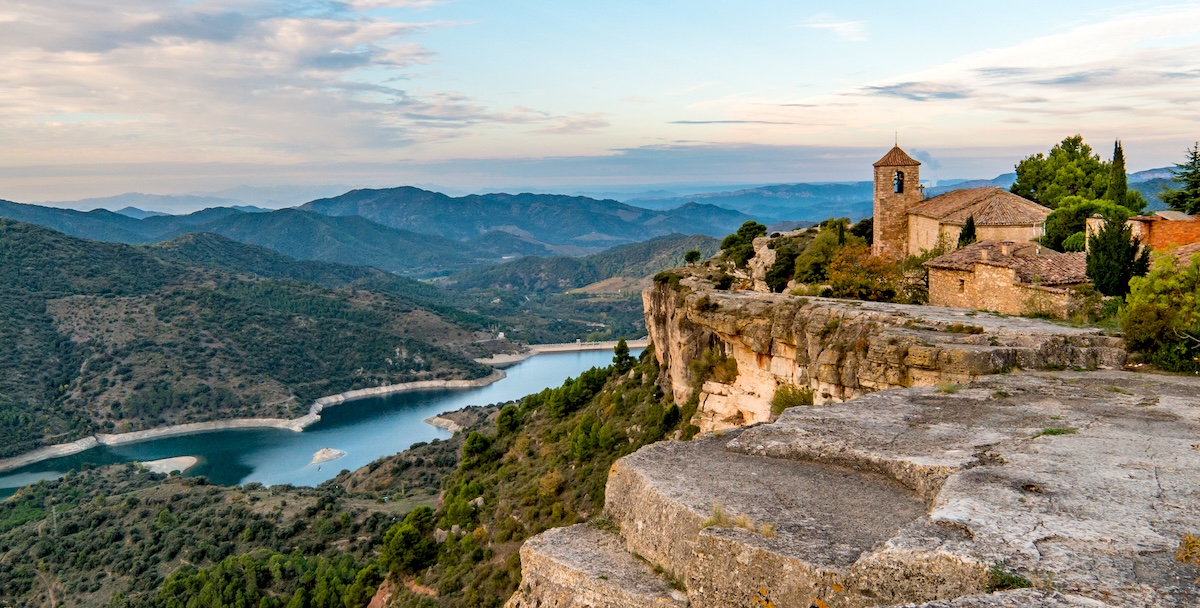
(843, 349)
(1082, 483)
(583, 566)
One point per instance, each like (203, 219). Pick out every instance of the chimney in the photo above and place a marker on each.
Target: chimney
(983, 254)
(1004, 248)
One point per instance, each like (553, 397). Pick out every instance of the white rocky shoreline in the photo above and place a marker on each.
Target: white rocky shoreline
(295, 424)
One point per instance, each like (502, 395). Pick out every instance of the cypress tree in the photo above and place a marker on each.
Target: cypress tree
(966, 236)
(1118, 181)
(1186, 198)
(1114, 257)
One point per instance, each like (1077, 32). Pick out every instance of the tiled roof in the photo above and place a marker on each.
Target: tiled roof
(989, 206)
(1179, 216)
(896, 158)
(1183, 253)
(1034, 264)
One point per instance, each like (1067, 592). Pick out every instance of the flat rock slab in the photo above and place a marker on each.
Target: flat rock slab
(583, 566)
(1083, 482)
(828, 515)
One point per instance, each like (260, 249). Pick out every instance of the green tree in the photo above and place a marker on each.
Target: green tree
(1186, 197)
(622, 360)
(966, 236)
(1114, 257)
(1118, 181)
(739, 246)
(1071, 218)
(1161, 318)
(692, 256)
(812, 263)
(1070, 169)
(864, 229)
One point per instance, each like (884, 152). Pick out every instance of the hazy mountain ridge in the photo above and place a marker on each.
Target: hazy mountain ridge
(551, 219)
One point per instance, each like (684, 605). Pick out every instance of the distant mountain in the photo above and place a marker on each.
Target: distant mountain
(782, 202)
(295, 233)
(550, 219)
(137, 214)
(561, 273)
(162, 203)
(1151, 174)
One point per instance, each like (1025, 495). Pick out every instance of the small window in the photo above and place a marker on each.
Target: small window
(962, 285)
(898, 182)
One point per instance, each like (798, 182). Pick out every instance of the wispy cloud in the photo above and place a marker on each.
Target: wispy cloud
(854, 31)
(729, 122)
(919, 91)
(576, 124)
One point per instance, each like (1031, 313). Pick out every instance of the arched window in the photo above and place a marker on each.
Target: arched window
(898, 182)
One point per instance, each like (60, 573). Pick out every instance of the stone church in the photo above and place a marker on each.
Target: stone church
(907, 223)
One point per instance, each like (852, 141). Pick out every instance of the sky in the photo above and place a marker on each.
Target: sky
(191, 96)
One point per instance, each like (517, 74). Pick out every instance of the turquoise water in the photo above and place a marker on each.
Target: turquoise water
(365, 430)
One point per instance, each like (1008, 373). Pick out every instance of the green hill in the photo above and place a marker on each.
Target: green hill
(565, 273)
(107, 337)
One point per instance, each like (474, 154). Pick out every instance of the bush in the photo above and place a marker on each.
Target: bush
(788, 396)
(1161, 318)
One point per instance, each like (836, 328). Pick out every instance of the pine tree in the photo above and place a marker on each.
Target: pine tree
(621, 357)
(966, 236)
(1186, 198)
(1114, 257)
(1118, 181)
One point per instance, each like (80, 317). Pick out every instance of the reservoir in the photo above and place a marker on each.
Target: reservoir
(365, 430)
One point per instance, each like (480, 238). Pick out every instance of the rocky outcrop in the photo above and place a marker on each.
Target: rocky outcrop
(1077, 484)
(841, 349)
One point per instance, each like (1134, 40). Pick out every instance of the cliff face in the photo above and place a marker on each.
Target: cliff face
(842, 349)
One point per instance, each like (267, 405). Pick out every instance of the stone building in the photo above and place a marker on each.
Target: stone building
(906, 223)
(1160, 231)
(1008, 277)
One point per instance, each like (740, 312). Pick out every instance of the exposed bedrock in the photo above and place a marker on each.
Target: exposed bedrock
(1081, 484)
(842, 349)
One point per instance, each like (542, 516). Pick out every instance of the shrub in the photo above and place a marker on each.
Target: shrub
(1161, 317)
(788, 396)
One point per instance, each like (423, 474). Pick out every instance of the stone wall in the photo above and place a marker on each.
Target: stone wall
(995, 289)
(841, 349)
(1158, 233)
(924, 233)
(1016, 234)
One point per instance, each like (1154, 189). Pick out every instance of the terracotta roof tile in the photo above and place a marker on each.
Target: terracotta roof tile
(1183, 253)
(1034, 264)
(990, 206)
(897, 158)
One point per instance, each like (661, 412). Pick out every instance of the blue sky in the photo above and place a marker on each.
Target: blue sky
(172, 96)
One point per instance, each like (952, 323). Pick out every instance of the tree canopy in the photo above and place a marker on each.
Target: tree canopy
(1186, 197)
(1114, 257)
(1070, 169)
(966, 236)
(1071, 218)
(739, 246)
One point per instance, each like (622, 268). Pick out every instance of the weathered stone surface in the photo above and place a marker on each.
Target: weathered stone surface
(1097, 511)
(910, 496)
(843, 349)
(585, 567)
(813, 527)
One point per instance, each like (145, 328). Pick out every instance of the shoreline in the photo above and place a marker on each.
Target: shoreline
(565, 347)
(192, 428)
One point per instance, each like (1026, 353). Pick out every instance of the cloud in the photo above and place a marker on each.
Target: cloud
(919, 91)
(854, 31)
(196, 80)
(728, 122)
(576, 124)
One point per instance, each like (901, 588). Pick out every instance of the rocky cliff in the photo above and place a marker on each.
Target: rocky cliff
(841, 349)
(1062, 489)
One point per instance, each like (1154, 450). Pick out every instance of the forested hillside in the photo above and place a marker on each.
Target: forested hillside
(563, 273)
(108, 337)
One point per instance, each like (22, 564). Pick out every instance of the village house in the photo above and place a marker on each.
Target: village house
(1162, 230)
(906, 223)
(1007, 277)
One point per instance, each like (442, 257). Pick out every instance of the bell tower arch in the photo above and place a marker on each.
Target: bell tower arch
(897, 189)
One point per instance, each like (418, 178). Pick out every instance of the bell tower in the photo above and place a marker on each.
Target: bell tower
(897, 189)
